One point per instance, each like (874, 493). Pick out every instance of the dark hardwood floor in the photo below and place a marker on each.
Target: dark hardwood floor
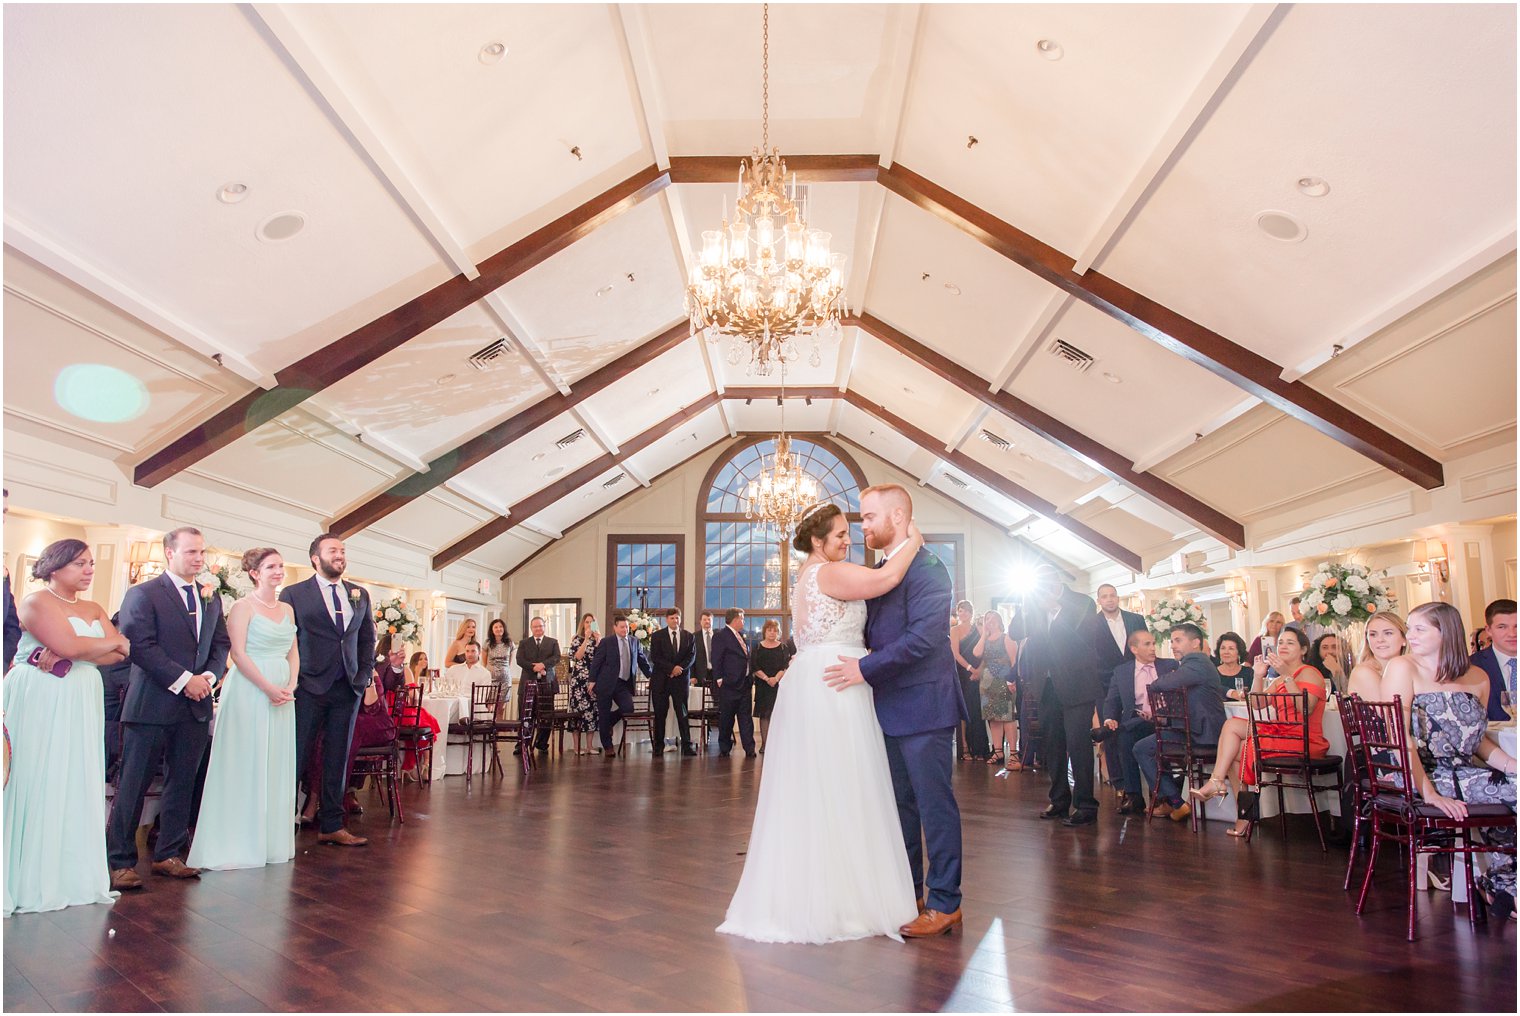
(597, 886)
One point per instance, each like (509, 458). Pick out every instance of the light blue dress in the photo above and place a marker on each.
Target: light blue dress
(248, 810)
(55, 799)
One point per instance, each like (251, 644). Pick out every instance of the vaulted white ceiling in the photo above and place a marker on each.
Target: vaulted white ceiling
(1146, 151)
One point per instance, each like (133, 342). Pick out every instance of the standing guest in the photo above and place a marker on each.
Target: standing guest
(964, 634)
(539, 658)
(1498, 660)
(1326, 656)
(582, 724)
(615, 666)
(1385, 641)
(701, 664)
(55, 816)
(1111, 629)
(179, 651)
(251, 783)
(498, 656)
(1206, 717)
(1309, 626)
(1059, 669)
(117, 678)
(1270, 628)
(731, 685)
(1231, 659)
(995, 654)
(1127, 714)
(671, 652)
(768, 662)
(335, 628)
(455, 653)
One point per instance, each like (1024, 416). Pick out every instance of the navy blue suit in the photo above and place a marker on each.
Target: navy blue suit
(12, 625)
(1498, 682)
(1120, 706)
(158, 723)
(1205, 703)
(912, 675)
(614, 687)
(730, 666)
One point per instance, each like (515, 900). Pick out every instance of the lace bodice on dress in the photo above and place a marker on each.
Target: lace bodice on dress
(819, 619)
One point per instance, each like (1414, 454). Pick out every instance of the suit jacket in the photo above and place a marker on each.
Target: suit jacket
(164, 646)
(1120, 704)
(1108, 653)
(1205, 696)
(701, 666)
(730, 664)
(530, 652)
(1061, 656)
(12, 627)
(666, 658)
(910, 667)
(328, 655)
(607, 664)
(1488, 660)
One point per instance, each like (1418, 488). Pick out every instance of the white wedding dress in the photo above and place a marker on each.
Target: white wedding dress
(826, 860)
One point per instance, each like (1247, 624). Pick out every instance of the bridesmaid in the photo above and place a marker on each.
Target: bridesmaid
(248, 809)
(55, 793)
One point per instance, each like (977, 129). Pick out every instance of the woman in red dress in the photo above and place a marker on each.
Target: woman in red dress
(419, 717)
(1280, 736)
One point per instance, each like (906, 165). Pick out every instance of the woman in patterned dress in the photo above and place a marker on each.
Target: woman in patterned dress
(582, 702)
(995, 655)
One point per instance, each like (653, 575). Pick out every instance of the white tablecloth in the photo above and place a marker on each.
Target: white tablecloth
(1223, 808)
(447, 709)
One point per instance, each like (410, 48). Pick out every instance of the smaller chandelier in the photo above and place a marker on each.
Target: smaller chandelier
(782, 491)
(765, 279)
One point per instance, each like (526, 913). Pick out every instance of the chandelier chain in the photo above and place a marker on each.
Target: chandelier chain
(765, 80)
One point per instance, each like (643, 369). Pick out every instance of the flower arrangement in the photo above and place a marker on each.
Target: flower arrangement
(1339, 595)
(641, 625)
(224, 581)
(400, 621)
(1167, 614)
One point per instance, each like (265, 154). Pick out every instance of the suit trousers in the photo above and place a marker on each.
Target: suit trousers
(1066, 730)
(331, 716)
(181, 745)
(1126, 774)
(672, 691)
(606, 715)
(741, 708)
(920, 765)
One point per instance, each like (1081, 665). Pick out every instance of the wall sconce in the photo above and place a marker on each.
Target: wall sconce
(1236, 586)
(145, 560)
(1431, 554)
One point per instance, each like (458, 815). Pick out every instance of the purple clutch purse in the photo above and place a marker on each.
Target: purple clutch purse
(60, 669)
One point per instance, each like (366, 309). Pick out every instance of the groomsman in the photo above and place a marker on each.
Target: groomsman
(539, 656)
(701, 664)
(179, 651)
(732, 685)
(672, 652)
(615, 665)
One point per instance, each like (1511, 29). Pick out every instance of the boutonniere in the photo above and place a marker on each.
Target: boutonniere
(353, 596)
(208, 590)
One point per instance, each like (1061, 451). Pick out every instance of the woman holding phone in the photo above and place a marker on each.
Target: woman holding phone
(582, 701)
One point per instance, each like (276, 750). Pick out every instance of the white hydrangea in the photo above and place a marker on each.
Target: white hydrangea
(1356, 583)
(392, 614)
(1341, 604)
(1320, 578)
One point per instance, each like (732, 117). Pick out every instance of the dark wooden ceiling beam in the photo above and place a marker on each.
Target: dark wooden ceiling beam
(1115, 466)
(764, 392)
(812, 168)
(1240, 366)
(536, 502)
(482, 446)
(364, 345)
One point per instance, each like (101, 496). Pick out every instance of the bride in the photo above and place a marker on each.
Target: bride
(826, 860)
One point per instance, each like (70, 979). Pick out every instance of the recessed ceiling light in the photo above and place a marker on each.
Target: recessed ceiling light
(604, 291)
(281, 227)
(1050, 49)
(538, 458)
(232, 193)
(953, 289)
(1313, 186)
(492, 52)
(1281, 226)
(1112, 378)
(445, 379)
(555, 471)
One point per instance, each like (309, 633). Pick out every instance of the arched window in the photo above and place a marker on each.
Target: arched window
(748, 564)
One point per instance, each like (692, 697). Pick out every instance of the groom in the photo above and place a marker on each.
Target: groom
(336, 630)
(918, 700)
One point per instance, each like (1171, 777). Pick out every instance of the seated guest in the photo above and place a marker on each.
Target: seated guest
(1127, 714)
(418, 717)
(1481, 640)
(417, 669)
(1231, 658)
(1270, 629)
(1234, 740)
(1205, 703)
(455, 652)
(1385, 641)
(767, 665)
(471, 671)
(373, 728)
(1326, 656)
(390, 672)
(1498, 660)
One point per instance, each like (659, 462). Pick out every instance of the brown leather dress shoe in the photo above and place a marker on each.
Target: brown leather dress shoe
(1181, 812)
(342, 838)
(1162, 810)
(123, 879)
(175, 868)
(930, 923)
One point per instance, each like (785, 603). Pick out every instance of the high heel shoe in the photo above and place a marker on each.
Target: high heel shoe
(1202, 793)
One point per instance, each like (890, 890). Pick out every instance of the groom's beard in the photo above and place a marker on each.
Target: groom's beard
(329, 572)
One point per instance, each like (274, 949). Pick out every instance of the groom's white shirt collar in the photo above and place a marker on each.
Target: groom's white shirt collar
(893, 552)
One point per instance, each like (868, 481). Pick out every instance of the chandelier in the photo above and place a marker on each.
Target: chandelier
(783, 490)
(764, 279)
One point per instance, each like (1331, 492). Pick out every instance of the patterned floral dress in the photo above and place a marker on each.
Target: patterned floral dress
(1447, 727)
(582, 701)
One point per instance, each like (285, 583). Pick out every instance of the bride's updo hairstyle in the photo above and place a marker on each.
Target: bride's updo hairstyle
(255, 557)
(815, 525)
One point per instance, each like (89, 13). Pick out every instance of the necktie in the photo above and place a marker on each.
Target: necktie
(707, 644)
(337, 607)
(189, 592)
(623, 654)
(1512, 677)
(675, 645)
(1142, 696)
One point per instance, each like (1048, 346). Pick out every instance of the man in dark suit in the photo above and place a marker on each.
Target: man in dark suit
(701, 662)
(179, 651)
(115, 678)
(1498, 660)
(1060, 670)
(615, 664)
(672, 652)
(335, 628)
(732, 685)
(1111, 630)
(1205, 703)
(12, 619)
(1127, 715)
(538, 655)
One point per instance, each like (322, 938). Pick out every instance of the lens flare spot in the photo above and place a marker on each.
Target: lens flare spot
(94, 391)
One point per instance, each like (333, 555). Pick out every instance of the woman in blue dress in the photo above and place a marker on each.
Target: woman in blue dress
(55, 794)
(248, 810)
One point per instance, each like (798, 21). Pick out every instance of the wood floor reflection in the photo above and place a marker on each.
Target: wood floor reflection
(596, 886)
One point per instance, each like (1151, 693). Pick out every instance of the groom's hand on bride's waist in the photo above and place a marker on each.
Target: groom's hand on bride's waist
(841, 675)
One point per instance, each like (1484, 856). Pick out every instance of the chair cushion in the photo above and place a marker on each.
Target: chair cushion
(1328, 764)
(1423, 810)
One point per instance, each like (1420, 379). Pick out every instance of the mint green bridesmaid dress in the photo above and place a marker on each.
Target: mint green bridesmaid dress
(248, 810)
(55, 799)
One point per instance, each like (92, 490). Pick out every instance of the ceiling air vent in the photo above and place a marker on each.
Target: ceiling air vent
(570, 439)
(1002, 444)
(614, 481)
(955, 481)
(1078, 359)
(484, 359)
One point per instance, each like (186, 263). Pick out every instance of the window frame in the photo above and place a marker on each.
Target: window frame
(616, 540)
